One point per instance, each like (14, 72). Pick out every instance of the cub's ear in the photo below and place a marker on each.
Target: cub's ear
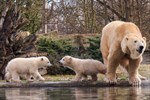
(70, 59)
(144, 38)
(42, 59)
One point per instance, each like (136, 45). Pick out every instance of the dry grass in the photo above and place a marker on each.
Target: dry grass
(58, 77)
(145, 70)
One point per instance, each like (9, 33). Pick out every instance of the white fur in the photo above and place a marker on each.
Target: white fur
(83, 67)
(25, 66)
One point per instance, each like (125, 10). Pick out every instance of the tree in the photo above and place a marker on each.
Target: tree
(90, 16)
(10, 44)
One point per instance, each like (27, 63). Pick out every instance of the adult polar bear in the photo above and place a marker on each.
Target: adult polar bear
(25, 67)
(122, 43)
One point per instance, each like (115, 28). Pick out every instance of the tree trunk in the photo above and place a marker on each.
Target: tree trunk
(10, 44)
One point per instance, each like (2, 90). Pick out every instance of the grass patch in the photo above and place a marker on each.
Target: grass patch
(144, 70)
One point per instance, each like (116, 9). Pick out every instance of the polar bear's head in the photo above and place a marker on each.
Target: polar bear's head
(133, 45)
(66, 61)
(44, 61)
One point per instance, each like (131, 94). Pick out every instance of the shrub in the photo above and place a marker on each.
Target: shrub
(94, 48)
(57, 48)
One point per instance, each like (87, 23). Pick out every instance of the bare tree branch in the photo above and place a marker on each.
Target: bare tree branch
(3, 16)
(111, 9)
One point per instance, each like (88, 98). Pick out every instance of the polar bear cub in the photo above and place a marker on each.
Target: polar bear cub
(83, 67)
(28, 67)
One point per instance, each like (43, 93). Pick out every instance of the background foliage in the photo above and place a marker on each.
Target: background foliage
(57, 48)
(65, 17)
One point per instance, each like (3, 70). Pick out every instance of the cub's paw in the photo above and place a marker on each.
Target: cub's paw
(8, 80)
(41, 79)
(135, 81)
(16, 81)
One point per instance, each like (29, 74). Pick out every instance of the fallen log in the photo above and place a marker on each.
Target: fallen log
(145, 83)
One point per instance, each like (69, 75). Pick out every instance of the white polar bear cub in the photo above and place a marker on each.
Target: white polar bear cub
(84, 67)
(18, 67)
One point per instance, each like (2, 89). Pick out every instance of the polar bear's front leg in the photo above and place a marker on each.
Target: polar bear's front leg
(112, 64)
(37, 76)
(134, 78)
(111, 77)
(111, 70)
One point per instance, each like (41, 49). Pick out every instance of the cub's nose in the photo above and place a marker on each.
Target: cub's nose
(49, 64)
(61, 61)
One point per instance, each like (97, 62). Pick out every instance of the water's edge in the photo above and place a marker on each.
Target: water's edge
(69, 84)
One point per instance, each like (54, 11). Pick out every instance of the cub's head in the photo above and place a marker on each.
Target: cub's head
(44, 61)
(133, 45)
(66, 61)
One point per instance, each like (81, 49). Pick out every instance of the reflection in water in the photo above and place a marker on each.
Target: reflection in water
(86, 93)
(25, 94)
(112, 93)
(115, 93)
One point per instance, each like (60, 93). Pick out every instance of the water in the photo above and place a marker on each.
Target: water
(88, 93)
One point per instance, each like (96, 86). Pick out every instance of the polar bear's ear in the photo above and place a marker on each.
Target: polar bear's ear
(124, 45)
(144, 38)
(42, 59)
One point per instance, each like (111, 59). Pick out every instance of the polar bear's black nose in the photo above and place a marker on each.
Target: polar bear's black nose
(141, 49)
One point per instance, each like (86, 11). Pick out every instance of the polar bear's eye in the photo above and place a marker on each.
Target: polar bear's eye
(142, 41)
(135, 41)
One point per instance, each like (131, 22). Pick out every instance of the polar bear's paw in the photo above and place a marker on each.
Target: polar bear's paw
(135, 81)
(111, 79)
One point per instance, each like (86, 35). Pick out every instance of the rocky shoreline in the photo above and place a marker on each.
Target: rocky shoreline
(69, 84)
